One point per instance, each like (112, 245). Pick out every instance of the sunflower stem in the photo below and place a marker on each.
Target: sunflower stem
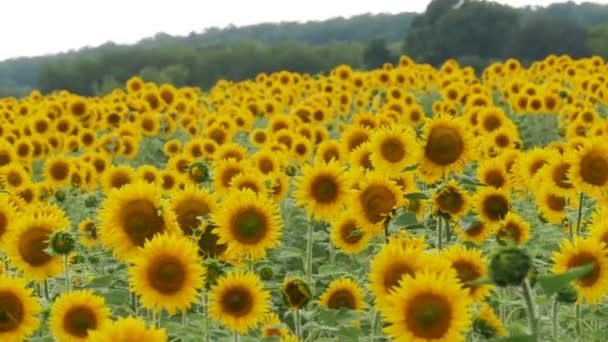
(309, 247)
(577, 318)
(527, 291)
(579, 215)
(439, 233)
(237, 337)
(374, 325)
(387, 223)
(296, 323)
(133, 298)
(206, 314)
(554, 310)
(66, 265)
(46, 290)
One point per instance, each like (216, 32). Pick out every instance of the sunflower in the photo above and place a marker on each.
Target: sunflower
(190, 205)
(487, 324)
(492, 204)
(147, 173)
(531, 162)
(266, 161)
(347, 235)
(252, 180)
(343, 293)
(599, 226)
(128, 329)
(19, 309)
(131, 215)
(272, 326)
(555, 174)
(447, 146)
(593, 286)
(430, 306)
(374, 200)
(329, 150)
(452, 200)
(75, 314)
(15, 176)
(248, 223)
(167, 274)
(259, 137)
(88, 233)
(476, 233)
(393, 149)
(553, 206)
(26, 244)
(470, 265)
(353, 137)
(360, 158)
(322, 189)
(512, 228)
(239, 301)
(224, 171)
(589, 167)
(118, 176)
(493, 172)
(8, 215)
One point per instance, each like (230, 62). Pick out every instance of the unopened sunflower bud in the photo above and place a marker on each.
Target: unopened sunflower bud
(290, 170)
(60, 195)
(510, 266)
(199, 172)
(567, 295)
(266, 272)
(61, 243)
(295, 293)
(91, 201)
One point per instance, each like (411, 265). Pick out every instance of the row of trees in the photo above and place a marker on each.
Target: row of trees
(474, 32)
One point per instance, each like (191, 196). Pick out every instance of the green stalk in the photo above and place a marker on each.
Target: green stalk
(206, 314)
(439, 233)
(554, 310)
(579, 215)
(577, 318)
(527, 291)
(46, 290)
(309, 247)
(68, 280)
(297, 323)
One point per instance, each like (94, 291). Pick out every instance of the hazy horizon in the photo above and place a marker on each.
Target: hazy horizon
(77, 25)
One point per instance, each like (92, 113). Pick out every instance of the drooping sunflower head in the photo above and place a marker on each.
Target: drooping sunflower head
(75, 314)
(429, 306)
(343, 293)
(239, 301)
(190, 205)
(393, 149)
(272, 326)
(470, 265)
(167, 274)
(248, 223)
(322, 189)
(19, 309)
(492, 204)
(513, 229)
(451, 200)
(128, 329)
(347, 235)
(447, 146)
(374, 201)
(295, 293)
(583, 251)
(131, 215)
(589, 167)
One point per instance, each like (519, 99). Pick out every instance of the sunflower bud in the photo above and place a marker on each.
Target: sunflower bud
(60, 195)
(567, 295)
(290, 170)
(510, 266)
(61, 243)
(266, 272)
(484, 329)
(199, 172)
(90, 202)
(295, 293)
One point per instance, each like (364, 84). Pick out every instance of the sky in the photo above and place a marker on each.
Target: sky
(37, 27)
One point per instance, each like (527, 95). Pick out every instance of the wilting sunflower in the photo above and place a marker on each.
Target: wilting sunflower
(395, 260)
(447, 146)
(589, 167)
(128, 329)
(88, 233)
(19, 309)
(477, 232)
(75, 314)
(393, 149)
(493, 172)
(248, 223)
(239, 301)
(452, 200)
(374, 201)
(347, 235)
(593, 286)
(190, 205)
(131, 215)
(430, 306)
(26, 244)
(487, 324)
(343, 293)
(513, 229)
(272, 326)
(492, 204)
(167, 274)
(322, 189)
(470, 265)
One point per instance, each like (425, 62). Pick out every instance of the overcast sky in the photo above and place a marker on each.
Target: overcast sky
(35, 27)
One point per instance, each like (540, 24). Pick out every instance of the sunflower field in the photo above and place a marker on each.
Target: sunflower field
(407, 203)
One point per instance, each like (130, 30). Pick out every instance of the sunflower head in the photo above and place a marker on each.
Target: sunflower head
(295, 293)
(76, 314)
(61, 242)
(447, 146)
(343, 293)
(486, 324)
(451, 200)
(134, 328)
(322, 188)
(510, 266)
(18, 309)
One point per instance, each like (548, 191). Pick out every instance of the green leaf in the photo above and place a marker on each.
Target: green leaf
(411, 168)
(466, 180)
(468, 222)
(290, 252)
(480, 281)
(101, 282)
(553, 283)
(416, 196)
(406, 219)
(519, 338)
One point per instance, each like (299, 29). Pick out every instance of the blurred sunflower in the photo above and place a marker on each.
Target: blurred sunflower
(589, 167)
(452, 200)
(347, 235)
(492, 204)
(19, 309)
(74, 315)
(374, 200)
(470, 265)
(128, 329)
(513, 229)
(343, 293)
(190, 205)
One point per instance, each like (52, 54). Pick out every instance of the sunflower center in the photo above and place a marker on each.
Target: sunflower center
(341, 299)
(429, 316)
(495, 178)
(491, 123)
(502, 140)
(5, 158)
(350, 233)
(394, 272)
(11, 311)
(475, 229)
(78, 320)
(141, 221)
(450, 202)
(228, 174)
(119, 178)
(594, 169)
(266, 166)
(207, 244)
(392, 149)
(495, 207)
(560, 176)
(466, 271)
(325, 189)
(583, 259)
(377, 201)
(249, 226)
(167, 275)
(356, 140)
(237, 302)
(444, 146)
(187, 212)
(511, 231)
(556, 203)
(32, 245)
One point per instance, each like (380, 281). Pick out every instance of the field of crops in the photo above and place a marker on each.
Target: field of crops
(406, 203)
